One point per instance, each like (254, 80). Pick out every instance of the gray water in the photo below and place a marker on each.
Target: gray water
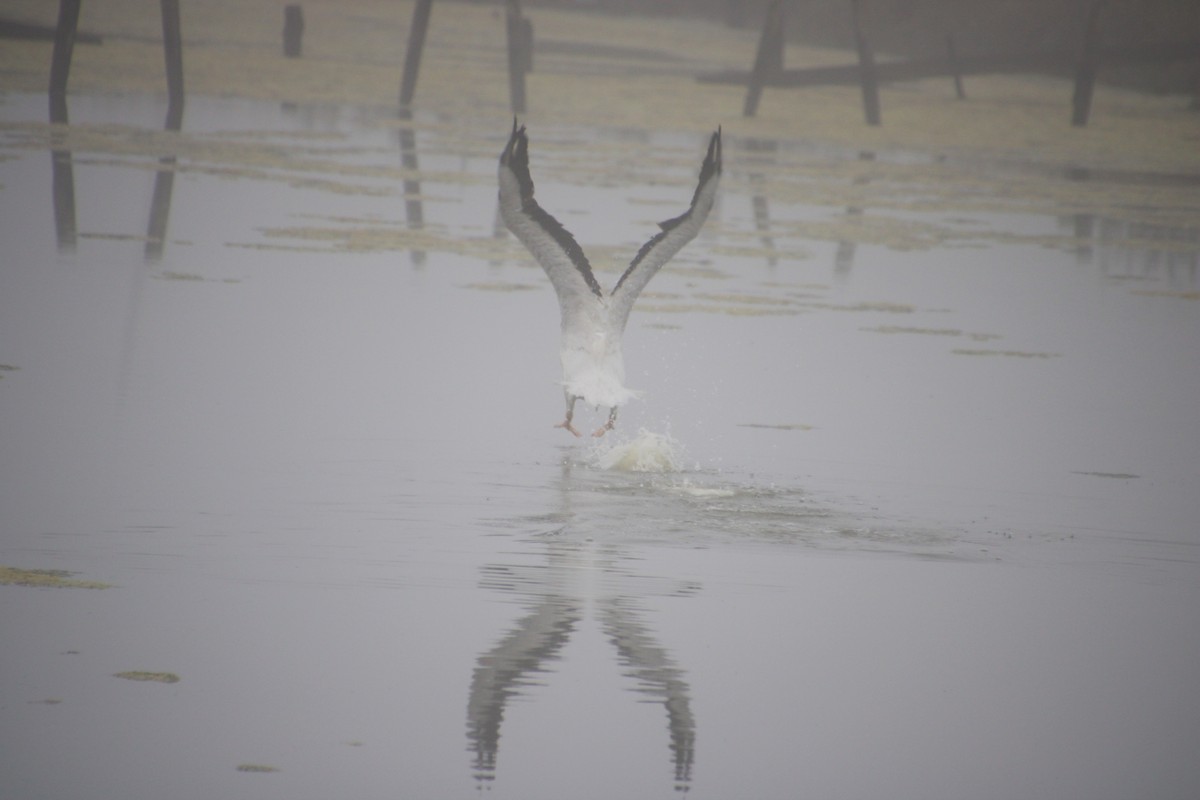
(924, 522)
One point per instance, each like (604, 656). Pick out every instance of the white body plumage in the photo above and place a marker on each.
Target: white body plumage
(593, 321)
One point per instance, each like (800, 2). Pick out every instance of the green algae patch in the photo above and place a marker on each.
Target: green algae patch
(1182, 295)
(782, 426)
(876, 307)
(501, 286)
(151, 677)
(259, 768)
(1003, 353)
(954, 332)
(46, 579)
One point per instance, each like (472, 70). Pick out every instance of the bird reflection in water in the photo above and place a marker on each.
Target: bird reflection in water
(580, 577)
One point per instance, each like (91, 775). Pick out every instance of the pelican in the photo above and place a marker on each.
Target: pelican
(594, 320)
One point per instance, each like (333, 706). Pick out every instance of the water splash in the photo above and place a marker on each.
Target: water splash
(647, 452)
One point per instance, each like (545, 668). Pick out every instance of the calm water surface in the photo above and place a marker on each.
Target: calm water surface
(920, 523)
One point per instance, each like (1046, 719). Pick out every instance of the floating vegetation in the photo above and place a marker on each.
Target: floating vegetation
(46, 578)
(890, 329)
(1004, 353)
(783, 426)
(1117, 475)
(262, 768)
(112, 237)
(882, 307)
(1182, 295)
(730, 310)
(744, 299)
(500, 286)
(7, 368)
(151, 677)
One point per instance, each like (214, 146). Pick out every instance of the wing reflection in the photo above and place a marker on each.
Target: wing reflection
(501, 672)
(657, 676)
(577, 575)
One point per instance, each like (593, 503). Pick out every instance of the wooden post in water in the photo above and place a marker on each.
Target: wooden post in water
(866, 68)
(520, 47)
(173, 51)
(293, 30)
(60, 64)
(412, 56)
(527, 42)
(1085, 73)
(768, 61)
(955, 68)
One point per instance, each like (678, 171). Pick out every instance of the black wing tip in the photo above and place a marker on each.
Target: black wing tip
(517, 148)
(712, 159)
(515, 156)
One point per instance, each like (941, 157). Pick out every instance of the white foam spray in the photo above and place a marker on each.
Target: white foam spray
(646, 452)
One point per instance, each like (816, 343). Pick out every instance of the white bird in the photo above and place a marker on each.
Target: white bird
(592, 320)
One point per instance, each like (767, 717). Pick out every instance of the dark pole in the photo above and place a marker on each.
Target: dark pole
(518, 56)
(866, 68)
(60, 65)
(412, 56)
(1085, 74)
(173, 51)
(955, 68)
(768, 61)
(293, 30)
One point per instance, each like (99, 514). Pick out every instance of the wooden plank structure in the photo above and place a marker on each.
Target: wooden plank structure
(65, 35)
(63, 177)
(1085, 73)
(519, 35)
(868, 74)
(412, 56)
(768, 61)
(293, 30)
(919, 69)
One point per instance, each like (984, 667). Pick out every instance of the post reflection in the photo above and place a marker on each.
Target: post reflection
(1126, 250)
(759, 203)
(62, 187)
(414, 212)
(580, 579)
(160, 208)
(164, 187)
(62, 184)
(843, 257)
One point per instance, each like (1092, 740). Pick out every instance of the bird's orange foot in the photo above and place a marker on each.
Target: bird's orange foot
(566, 423)
(603, 429)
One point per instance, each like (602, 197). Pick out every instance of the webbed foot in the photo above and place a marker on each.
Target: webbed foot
(566, 423)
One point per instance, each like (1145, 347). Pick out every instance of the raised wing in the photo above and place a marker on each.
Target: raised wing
(667, 242)
(550, 243)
